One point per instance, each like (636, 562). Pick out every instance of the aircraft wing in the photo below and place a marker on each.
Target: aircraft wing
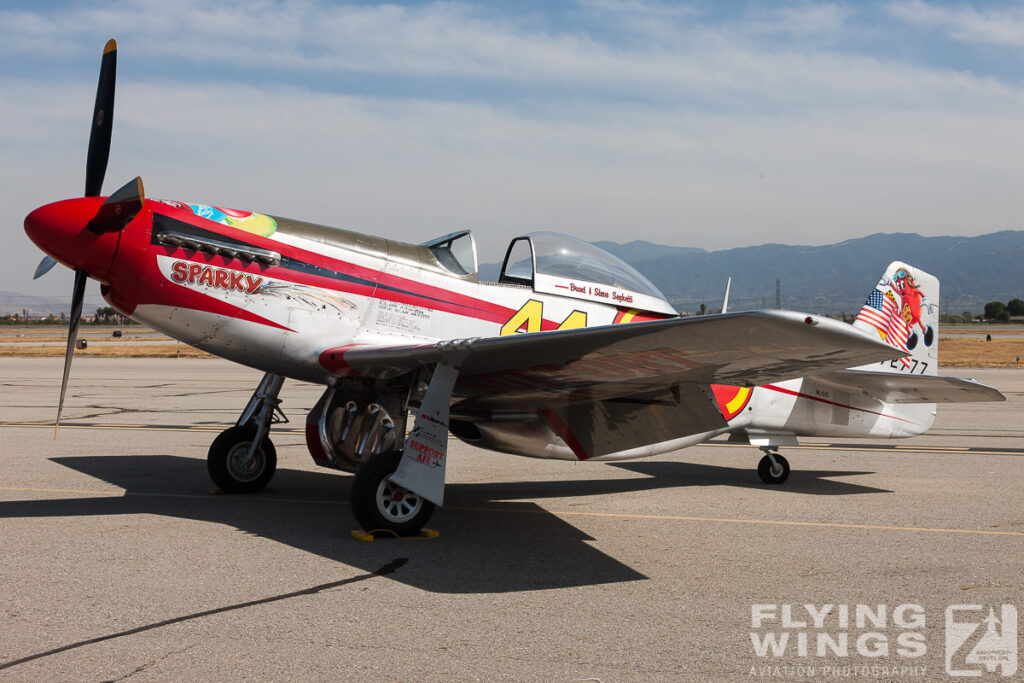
(597, 363)
(900, 388)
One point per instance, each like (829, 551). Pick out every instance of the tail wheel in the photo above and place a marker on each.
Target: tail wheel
(230, 466)
(773, 473)
(379, 503)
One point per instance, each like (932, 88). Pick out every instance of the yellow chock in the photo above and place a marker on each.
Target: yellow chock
(371, 535)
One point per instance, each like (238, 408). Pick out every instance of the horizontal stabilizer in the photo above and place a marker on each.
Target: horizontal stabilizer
(904, 388)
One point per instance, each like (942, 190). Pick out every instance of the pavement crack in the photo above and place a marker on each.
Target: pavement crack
(389, 568)
(106, 411)
(142, 667)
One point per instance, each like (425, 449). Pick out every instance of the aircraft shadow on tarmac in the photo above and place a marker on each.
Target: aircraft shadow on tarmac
(488, 546)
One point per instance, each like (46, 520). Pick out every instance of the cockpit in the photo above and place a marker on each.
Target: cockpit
(553, 263)
(558, 264)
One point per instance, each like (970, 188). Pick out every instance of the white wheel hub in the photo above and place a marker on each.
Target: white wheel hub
(397, 504)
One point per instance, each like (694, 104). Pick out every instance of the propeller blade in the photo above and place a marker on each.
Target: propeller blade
(44, 267)
(102, 119)
(120, 208)
(77, 297)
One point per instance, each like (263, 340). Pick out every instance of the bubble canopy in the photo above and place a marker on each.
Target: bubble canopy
(560, 264)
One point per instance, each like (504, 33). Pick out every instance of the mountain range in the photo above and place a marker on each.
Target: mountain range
(14, 303)
(833, 278)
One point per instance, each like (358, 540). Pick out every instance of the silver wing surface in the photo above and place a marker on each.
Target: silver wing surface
(569, 366)
(619, 389)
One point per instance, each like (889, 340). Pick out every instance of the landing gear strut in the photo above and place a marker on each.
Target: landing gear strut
(242, 459)
(397, 490)
(773, 468)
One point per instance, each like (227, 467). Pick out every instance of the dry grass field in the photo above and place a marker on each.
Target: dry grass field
(125, 350)
(42, 341)
(958, 346)
(977, 353)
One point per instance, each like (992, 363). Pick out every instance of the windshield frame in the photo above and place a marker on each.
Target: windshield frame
(591, 273)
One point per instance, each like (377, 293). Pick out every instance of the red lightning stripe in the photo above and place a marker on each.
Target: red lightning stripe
(800, 394)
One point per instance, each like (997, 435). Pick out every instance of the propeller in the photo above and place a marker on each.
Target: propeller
(99, 136)
(116, 212)
(77, 298)
(44, 267)
(119, 208)
(102, 120)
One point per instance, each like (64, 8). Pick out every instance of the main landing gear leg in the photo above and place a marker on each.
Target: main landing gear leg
(397, 491)
(242, 459)
(773, 468)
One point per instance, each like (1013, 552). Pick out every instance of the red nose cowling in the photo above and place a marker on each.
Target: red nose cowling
(60, 230)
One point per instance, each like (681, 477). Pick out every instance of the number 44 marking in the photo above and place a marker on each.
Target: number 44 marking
(530, 317)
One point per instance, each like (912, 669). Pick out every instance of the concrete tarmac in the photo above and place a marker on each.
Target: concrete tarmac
(118, 562)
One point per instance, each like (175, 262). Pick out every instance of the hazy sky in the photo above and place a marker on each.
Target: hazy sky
(707, 124)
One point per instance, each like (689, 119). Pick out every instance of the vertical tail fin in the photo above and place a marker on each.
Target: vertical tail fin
(903, 310)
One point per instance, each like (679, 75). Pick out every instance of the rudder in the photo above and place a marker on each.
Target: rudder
(903, 310)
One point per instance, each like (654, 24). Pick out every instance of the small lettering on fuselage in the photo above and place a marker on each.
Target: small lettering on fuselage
(591, 290)
(196, 273)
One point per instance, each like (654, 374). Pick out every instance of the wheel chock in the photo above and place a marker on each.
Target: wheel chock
(373, 534)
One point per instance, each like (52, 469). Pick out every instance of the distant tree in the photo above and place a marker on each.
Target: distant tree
(703, 309)
(1004, 317)
(994, 309)
(967, 316)
(107, 315)
(1015, 307)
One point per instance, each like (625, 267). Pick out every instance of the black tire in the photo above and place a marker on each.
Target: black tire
(379, 504)
(226, 461)
(764, 470)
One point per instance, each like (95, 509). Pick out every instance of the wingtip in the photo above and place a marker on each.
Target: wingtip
(111, 46)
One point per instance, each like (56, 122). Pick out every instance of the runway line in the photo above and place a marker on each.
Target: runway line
(807, 446)
(74, 491)
(559, 513)
(213, 429)
(877, 447)
(779, 522)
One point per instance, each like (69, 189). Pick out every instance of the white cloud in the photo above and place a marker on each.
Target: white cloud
(676, 59)
(1004, 26)
(703, 134)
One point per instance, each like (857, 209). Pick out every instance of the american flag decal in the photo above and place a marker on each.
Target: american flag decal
(882, 312)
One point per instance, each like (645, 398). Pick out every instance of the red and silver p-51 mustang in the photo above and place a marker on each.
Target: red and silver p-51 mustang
(571, 354)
